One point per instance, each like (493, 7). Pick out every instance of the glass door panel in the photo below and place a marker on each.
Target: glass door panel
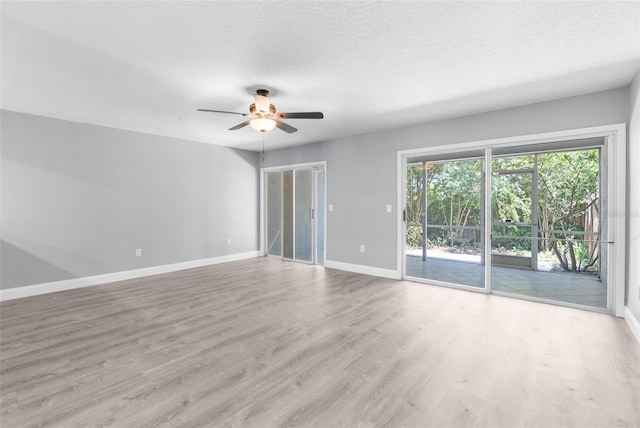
(319, 214)
(274, 214)
(303, 215)
(287, 214)
(546, 227)
(445, 199)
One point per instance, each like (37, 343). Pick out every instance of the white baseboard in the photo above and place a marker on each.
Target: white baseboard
(68, 284)
(366, 270)
(632, 322)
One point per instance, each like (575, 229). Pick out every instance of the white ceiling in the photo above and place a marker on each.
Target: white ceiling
(147, 66)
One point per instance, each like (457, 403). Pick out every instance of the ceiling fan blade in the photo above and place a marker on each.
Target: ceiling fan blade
(286, 127)
(308, 115)
(222, 111)
(240, 125)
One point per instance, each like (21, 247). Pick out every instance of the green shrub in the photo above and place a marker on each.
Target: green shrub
(414, 236)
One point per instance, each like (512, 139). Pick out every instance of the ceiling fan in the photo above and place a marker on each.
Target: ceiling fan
(263, 117)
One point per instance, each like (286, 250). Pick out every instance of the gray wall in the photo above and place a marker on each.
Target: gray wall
(633, 201)
(361, 170)
(78, 199)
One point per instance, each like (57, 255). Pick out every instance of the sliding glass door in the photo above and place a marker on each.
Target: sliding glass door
(546, 235)
(290, 226)
(540, 207)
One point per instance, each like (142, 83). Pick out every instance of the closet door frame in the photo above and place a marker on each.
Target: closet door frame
(314, 167)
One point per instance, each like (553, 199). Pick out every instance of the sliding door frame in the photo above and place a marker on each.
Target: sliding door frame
(314, 166)
(615, 142)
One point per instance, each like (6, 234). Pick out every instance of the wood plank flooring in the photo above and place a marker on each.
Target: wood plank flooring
(268, 343)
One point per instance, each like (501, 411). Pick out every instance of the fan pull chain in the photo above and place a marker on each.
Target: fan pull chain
(262, 147)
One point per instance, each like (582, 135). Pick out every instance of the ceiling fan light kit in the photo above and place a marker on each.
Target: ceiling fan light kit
(262, 124)
(261, 112)
(263, 117)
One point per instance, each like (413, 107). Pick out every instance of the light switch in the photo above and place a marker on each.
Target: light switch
(388, 208)
(330, 207)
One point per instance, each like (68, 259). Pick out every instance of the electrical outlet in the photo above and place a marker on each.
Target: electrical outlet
(228, 241)
(138, 252)
(362, 248)
(330, 208)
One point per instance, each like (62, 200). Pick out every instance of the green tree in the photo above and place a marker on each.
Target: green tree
(453, 195)
(568, 200)
(569, 193)
(415, 191)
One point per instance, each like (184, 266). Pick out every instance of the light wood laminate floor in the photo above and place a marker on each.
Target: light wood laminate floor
(264, 342)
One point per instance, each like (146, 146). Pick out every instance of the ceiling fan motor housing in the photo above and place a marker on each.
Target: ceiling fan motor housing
(262, 103)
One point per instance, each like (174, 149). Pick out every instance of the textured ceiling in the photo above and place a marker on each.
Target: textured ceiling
(147, 66)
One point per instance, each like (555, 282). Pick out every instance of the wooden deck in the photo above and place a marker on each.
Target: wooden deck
(580, 289)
